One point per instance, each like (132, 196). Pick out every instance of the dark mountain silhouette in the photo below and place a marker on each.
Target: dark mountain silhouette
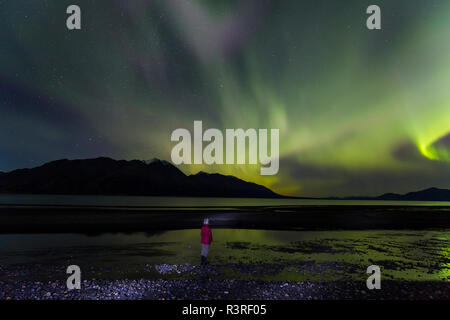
(218, 185)
(120, 177)
(431, 194)
(105, 176)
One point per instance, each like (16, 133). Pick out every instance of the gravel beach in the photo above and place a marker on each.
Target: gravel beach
(202, 283)
(217, 290)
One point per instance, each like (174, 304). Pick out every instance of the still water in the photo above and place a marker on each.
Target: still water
(290, 255)
(148, 201)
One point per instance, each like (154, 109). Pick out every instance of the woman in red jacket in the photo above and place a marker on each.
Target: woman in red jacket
(206, 240)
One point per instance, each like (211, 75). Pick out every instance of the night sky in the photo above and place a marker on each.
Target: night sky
(360, 112)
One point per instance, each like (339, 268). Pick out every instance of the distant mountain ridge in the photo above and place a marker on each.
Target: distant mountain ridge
(430, 194)
(105, 176)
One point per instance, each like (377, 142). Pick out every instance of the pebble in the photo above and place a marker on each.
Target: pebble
(198, 283)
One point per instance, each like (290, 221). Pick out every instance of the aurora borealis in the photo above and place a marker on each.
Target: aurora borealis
(360, 112)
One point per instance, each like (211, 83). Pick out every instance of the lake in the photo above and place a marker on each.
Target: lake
(149, 201)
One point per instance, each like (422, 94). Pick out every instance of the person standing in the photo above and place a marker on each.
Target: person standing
(206, 234)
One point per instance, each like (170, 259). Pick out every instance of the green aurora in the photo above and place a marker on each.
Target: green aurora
(360, 112)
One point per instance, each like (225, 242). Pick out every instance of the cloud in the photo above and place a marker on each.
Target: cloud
(440, 149)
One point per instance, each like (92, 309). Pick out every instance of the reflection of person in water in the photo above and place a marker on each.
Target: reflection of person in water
(206, 240)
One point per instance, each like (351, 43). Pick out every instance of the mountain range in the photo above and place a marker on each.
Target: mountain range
(105, 176)
(121, 177)
(430, 194)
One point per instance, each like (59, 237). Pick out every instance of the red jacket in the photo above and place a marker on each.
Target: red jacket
(206, 234)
